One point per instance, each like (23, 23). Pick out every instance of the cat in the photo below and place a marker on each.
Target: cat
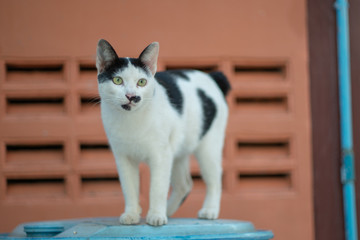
(161, 119)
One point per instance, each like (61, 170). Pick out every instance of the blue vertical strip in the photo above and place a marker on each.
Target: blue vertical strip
(347, 168)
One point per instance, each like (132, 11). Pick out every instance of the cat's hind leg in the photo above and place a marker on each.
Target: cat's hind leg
(181, 184)
(209, 156)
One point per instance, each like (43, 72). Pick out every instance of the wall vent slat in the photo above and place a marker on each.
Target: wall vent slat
(265, 181)
(36, 188)
(200, 67)
(88, 73)
(38, 154)
(34, 73)
(261, 104)
(90, 105)
(267, 149)
(35, 105)
(95, 153)
(270, 72)
(94, 186)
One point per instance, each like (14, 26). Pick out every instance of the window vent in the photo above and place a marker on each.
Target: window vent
(34, 73)
(90, 105)
(94, 186)
(96, 153)
(261, 103)
(268, 72)
(244, 69)
(34, 154)
(88, 72)
(265, 181)
(204, 68)
(36, 188)
(267, 149)
(35, 105)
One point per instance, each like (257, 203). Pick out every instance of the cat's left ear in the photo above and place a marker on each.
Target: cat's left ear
(149, 56)
(105, 55)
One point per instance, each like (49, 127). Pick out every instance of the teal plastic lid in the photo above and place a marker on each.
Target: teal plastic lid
(43, 229)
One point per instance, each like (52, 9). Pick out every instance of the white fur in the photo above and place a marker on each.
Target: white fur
(155, 133)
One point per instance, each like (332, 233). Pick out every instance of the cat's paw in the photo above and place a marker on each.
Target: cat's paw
(208, 213)
(128, 218)
(156, 219)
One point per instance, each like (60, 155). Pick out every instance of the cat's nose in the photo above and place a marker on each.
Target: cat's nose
(132, 98)
(129, 96)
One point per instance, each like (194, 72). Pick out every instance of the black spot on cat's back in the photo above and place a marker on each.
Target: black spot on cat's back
(181, 73)
(168, 81)
(209, 111)
(221, 81)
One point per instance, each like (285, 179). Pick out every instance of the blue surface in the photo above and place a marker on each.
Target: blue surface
(347, 169)
(110, 228)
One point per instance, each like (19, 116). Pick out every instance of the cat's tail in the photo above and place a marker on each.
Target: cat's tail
(222, 82)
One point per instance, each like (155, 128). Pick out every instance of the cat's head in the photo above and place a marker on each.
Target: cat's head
(126, 83)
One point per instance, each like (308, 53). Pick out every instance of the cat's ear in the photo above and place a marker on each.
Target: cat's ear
(105, 55)
(149, 56)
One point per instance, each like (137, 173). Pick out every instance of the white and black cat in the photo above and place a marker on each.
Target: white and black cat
(161, 119)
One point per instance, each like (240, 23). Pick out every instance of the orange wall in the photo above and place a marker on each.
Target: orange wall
(184, 29)
(260, 45)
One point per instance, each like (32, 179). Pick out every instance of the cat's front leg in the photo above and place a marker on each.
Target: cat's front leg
(129, 179)
(160, 169)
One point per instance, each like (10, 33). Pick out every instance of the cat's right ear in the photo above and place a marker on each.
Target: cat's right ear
(105, 55)
(149, 56)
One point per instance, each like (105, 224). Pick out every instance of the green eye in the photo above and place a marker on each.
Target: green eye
(117, 80)
(142, 82)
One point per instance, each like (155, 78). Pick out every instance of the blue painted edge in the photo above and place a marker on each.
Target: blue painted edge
(347, 168)
(258, 235)
(176, 229)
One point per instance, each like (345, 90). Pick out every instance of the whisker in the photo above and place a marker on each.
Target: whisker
(92, 100)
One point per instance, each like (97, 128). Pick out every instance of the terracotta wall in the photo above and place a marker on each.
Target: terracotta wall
(54, 158)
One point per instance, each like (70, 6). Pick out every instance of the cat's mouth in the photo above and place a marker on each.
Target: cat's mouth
(128, 106)
(131, 103)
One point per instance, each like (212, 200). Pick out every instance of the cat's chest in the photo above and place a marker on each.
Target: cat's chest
(125, 129)
(126, 138)
(143, 126)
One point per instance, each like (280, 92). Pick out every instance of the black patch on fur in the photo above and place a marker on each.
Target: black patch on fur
(126, 107)
(109, 72)
(138, 63)
(135, 99)
(168, 81)
(209, 111)
(222, 82)
(120, 64)
(180, 73)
